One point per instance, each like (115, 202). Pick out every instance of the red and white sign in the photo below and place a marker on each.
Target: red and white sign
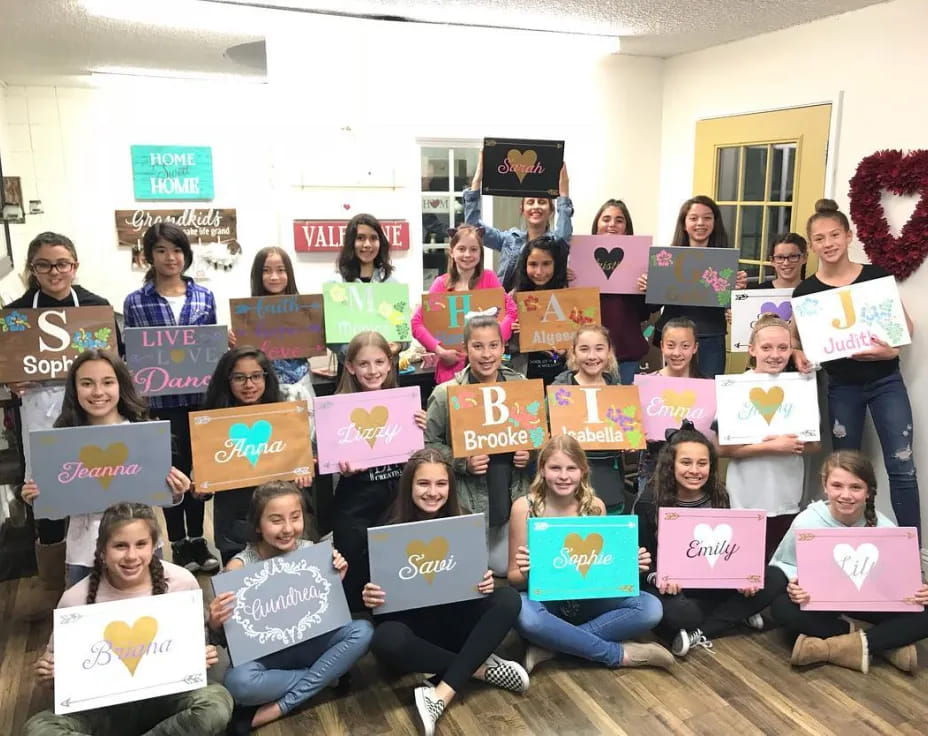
(312, 236)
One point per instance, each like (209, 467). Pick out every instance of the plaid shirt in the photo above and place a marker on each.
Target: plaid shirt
(147, 308)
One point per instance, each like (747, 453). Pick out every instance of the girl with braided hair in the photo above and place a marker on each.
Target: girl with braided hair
(823, 636)
(125, 566)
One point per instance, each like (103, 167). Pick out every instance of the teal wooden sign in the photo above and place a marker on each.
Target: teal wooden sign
(350, 308)
(583, 557)
(172, 172)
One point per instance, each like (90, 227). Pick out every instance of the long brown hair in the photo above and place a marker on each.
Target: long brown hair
(718, 238)
(855, 463)
(684, 323)
(584, 494)
(130, 406)
(403, 509)
(348, 264)
(348, 384)
(663, 484)
(618, 203)
(453, 275)
(257, 271)
(263, 495)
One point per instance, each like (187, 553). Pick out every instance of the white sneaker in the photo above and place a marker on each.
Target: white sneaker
(755, 622)
(430, 708)
(534, 656)
(505, 674)
(686, 640)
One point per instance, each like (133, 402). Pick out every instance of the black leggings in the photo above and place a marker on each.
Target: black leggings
(51, 531)
(715, 612)
(889, 630)
(185, 519)
(452, 640)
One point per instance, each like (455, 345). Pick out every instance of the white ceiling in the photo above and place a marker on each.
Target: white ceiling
(55, 41)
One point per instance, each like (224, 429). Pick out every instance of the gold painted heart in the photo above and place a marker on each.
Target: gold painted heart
(766, 402)
(177, 355)
(434, 551)
(577, 545)
(521, 162)
(113, 456)
(682, 399)
(130, 644)
(369, 422)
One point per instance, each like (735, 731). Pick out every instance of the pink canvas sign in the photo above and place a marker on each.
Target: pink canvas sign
(711, 548)
(666, 402)
(859, 568)
(611, 263)
(367, 429)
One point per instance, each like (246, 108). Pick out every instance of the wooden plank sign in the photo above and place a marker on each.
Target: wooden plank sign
(666, 402)
(548, 320)
(518, 167)
(201, 226)
(248, 445)
(747, 305)
(286, 326)
(702, 277)
(170, 361)
(354, 307)
(41, 344)
(172, 172)
(610, 263)
(751, 406)
(493, 418)
(598, 417)
(443, 312)
(128, 650)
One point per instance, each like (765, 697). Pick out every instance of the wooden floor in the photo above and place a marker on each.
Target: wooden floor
(745, 687)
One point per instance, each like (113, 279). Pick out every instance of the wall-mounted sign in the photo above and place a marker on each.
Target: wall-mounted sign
(311, 236)
(172, 172)
(200, 225)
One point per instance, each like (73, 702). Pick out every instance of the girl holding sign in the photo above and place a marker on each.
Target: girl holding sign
(52, 266)
(487, 483)
(363, 495)
(871, 379)
(126, 566)
(455, 640)
(98, 391)
(593, 629)
(269, 688)
(170, 298)
(243, 377)
(850, 491)
(465, 273)
(687, 476)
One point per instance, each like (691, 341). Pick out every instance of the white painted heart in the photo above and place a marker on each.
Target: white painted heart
(858, 563)
(716, 538)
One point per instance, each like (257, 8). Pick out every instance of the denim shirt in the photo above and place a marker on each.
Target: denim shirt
(509, 242)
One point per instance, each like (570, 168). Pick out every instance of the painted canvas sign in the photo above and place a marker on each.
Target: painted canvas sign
(610, 263)
(711, 548)
(443, 312)
(428, 563)
(286, 326)
(172, 172)
(702, 277)
(747, 305)
(354, 307)
(41, 344)
(492, 418)
(517, 167)
(666, 402)
(598, 417)
(169, 361)
(548, 320)
(583, 557)
(201, 226)
(752, 406)
(311, 236)
(128, 650)
(248, 445)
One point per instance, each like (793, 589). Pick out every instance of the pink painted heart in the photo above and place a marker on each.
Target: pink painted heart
(783, 310)
(347, 206)
(435, 203)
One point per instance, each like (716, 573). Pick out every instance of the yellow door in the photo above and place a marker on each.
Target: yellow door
(765, 171)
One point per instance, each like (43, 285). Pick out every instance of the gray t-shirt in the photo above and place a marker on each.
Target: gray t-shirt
(249, 555)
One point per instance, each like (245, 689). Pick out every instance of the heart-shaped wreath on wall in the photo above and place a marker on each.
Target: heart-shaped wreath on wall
(902, 174)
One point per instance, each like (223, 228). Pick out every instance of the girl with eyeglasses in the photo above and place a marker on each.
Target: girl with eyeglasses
(789, 254)
(51, 268)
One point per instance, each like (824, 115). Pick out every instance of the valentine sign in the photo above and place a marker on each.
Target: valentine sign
(287, 326)
(838, 323)
(428, 563)
(598, 417)
(311, 236)
(168, 361)
(702, 277)
(200, 225)
(747, 305)
(247, 445)
(548, 320)
(711, 548)
(83, 470)
(516, 167)
(128, 650)
(443, 312)
(751, 406)
(282, 601)
(859, 568)
(368, 428)
(610, 263)
(172, 172)
(492, 418)
(666, 402)
(41, 344)
(583, 557)
(354, 307)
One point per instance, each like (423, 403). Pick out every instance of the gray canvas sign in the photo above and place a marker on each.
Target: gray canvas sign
(699, 277)
(282, 601)
(84, 470)
(427, 563)
(168, 361)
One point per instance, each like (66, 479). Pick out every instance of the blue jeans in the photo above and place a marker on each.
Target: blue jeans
(711, 355)
(292, 676)
(595, 628)
(891, 412)
(627, 371)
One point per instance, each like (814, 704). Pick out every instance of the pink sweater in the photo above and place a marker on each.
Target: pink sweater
(487, 280)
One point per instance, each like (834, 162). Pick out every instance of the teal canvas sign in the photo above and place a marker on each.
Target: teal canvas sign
(354, 307)
(172, 172)
(583, 557)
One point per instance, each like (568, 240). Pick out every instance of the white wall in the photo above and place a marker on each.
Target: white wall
(877, 57)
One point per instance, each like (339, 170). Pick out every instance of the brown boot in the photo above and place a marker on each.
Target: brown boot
(902, 658)
(48, 587)
(849, 650)
(646, 655)
(808, 650)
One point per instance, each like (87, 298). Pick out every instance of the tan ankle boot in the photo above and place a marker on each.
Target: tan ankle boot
(646, 655)
(902, 658)
(50, 582)
(808, 650)
(849, 650)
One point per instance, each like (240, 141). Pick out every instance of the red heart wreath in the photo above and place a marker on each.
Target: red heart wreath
(901, 174)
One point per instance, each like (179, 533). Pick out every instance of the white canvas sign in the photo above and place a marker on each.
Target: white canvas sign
(752, 406)
(747, 305)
